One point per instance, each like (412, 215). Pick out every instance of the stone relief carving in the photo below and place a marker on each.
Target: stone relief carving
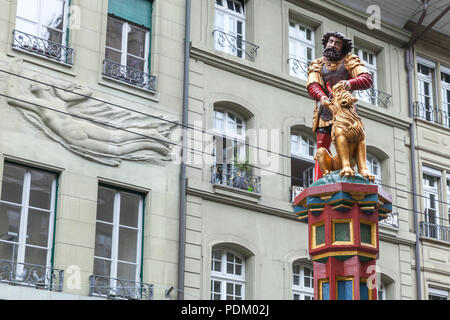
(87, 127)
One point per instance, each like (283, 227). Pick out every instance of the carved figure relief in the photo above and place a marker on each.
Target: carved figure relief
(94, 130)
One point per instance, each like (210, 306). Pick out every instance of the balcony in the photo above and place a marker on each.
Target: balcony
(375, 97)
(431, 114)
(232, 176)
(434, 231)
(117, 289)
(298, 68)
(41, 277)
(234, 45)
(131, 76)
(391, 221)
(42, 47)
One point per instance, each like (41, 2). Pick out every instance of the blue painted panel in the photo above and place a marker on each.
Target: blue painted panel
(137, 11)
(363, 291)
(325, 291)
(344, 289)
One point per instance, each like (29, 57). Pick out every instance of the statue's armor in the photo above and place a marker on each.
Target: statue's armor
(332, 77)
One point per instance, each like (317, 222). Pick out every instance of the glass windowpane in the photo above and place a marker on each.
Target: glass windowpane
(114, 34)
(35, 256)
(103, 240)
(136, 41)
(38, 227)
(12, 186)
(127, 244)
(102, 267)
(126, 271)
(105, 204)
(9, 222)
(41, 189)
(129, 209)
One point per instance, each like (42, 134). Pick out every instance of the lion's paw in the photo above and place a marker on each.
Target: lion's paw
(347, 172)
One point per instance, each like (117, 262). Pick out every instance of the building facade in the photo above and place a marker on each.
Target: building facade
(91, 101)
(92, 104)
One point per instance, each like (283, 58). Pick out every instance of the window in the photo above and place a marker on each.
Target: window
(302, 282)
(229, 145)
(445, 85)
(303, 150)
(369, 59)
(230, 22)
(127, 52)
(227, 275)
(373, 164)
(27, 209)
(425, 75)
(448, 197)
(127, 44)
(381, 291)
(118, 236)
(437, 294)
(342, 232)
(301, 48)
(41, 28)
(431, 195)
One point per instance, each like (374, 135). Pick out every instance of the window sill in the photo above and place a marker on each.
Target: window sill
(236, 193)
(128, 88)
(41, 60)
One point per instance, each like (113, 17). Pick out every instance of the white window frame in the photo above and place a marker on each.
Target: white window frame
(227, 131)
(115, 236)
(299, 45)
(426, 111)
(372, 162)
(370, 95)
(126, 27)
(230, 19)
(224, 277)
(445, 87)
(21, 243)
(40, 27)
(300, 290)
(429, 191)
(300, 142)
(437, 293)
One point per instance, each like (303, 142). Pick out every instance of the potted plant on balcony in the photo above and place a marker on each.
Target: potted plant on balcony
(242, 173)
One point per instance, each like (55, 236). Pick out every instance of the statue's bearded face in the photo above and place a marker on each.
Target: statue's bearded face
(333, 49)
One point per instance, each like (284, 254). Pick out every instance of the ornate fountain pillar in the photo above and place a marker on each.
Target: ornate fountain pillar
(342, 216)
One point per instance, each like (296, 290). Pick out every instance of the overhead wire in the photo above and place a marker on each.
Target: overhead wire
(195, 151)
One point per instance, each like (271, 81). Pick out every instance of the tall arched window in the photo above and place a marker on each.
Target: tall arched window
(303, 149)
(227, 275)
(302, 281)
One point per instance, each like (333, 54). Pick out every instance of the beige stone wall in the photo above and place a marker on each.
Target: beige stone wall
(276, 101)
(79, 178)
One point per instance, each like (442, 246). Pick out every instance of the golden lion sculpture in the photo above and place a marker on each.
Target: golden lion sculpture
(348, 136)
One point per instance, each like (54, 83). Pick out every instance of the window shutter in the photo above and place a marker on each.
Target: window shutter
(137, 11)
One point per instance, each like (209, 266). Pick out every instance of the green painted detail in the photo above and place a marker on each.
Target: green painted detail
(137, 11)
(343, 258)
(335, 178)
(320, 234)
(366, 233)
(364, 259)
(52, 258)
(323, 260)
(342, 232)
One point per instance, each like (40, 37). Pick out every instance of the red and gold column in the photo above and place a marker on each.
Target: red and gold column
(343, 220)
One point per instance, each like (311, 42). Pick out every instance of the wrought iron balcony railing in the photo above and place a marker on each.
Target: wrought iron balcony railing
(235, 44)
(43, 47)
(295, 191)
(391, 220)
(431, 114)
(435, 231)
(298, 68)
(129, 75)
(25, 274)
(229, 175)
(375, 97)
(111, 288)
